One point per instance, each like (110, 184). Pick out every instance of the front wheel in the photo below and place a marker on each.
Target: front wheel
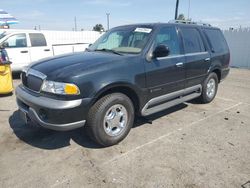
(209, 88)
(110, 119)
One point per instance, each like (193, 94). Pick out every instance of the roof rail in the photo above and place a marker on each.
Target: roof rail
(189, 22)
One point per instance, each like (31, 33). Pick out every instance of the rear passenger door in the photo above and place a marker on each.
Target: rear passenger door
(197, 57)
(39, 48)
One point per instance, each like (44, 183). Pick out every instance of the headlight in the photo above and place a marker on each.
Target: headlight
(60, 88)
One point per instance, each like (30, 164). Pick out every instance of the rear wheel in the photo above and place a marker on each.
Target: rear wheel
(110, 119)
(209, 88)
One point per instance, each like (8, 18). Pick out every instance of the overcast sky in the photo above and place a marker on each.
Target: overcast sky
(59, 14)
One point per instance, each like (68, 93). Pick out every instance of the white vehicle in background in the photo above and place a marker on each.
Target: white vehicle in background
(26, 46)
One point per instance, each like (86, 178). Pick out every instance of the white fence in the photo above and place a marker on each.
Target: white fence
(239, 44)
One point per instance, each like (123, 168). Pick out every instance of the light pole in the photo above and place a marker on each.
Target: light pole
(188, 8)
(75, 24)
(108, 14)
(176, 9)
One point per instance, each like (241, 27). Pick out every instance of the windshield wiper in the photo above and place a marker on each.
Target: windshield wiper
(108, 50)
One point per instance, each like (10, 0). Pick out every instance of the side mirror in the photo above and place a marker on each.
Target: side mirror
(4, 45)
(161, 51)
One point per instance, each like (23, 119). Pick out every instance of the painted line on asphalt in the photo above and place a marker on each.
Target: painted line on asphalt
(168, 134)
(226, 99)
(231, 100)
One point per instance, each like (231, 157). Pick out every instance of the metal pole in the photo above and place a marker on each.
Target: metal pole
(75, 24)
(176, 9)
(108, 14)
(188, 8)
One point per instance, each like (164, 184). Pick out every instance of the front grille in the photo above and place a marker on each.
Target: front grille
(33, 80)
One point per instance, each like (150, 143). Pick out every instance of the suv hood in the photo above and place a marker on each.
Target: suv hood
(70, 65)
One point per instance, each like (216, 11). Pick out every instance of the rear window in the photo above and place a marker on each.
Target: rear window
(216, 40)
(37, 39)
(192, 40)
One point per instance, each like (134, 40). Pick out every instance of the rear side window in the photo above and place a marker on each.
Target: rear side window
(37, 39)
(192, 40)
(216, 40)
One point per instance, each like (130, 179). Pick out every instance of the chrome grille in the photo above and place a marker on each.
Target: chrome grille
(32, 79)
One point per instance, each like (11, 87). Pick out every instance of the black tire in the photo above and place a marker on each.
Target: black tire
(33, 125)
(204, 98)
(95, 121)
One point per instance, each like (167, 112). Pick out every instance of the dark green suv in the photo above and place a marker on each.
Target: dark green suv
(131, 70)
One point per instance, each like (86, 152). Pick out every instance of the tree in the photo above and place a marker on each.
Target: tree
(181, 17)
(98, 27)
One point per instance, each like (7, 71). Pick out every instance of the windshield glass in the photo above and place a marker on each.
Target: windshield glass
(2, 35)
(123, 40)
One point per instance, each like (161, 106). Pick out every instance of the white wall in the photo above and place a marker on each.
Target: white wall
(67, 37)
(239, 44)
(62, 37)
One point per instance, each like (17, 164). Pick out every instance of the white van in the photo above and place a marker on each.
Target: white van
(26, 46)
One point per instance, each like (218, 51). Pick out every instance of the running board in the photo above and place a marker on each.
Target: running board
(172, 99)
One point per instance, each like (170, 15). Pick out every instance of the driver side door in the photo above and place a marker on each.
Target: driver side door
(18, 51)
(166, 75)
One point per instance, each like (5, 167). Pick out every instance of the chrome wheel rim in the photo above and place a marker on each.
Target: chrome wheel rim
(115, 120)
(211, 87)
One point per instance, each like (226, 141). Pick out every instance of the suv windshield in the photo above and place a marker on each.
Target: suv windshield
(123, 40)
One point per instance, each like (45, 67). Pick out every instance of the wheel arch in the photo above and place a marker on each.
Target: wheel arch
(121, 87)
(217, 71)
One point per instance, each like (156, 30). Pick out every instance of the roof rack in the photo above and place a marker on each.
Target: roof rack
(189, 22)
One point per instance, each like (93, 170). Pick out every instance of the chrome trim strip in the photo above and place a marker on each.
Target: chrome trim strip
(44, 101)
(169, 97)
(170, 57)
(181, 55)
(196, 53)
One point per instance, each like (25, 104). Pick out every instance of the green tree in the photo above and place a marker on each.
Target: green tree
(181, 17)
(98, 27)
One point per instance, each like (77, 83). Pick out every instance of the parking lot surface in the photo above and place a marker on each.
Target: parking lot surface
(190, 145)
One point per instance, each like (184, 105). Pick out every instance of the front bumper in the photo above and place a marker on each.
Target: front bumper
(60, 115)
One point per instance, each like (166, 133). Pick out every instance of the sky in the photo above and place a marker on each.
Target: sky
(59, 14)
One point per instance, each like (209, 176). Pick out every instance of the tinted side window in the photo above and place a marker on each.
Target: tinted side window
(168, 37)
(192, 40)
(37, 39)
(16, 41)
(216, 40)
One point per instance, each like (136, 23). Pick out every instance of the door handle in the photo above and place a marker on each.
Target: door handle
(46, 50)
(207, 59)
(23, 52)
(180, 64)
